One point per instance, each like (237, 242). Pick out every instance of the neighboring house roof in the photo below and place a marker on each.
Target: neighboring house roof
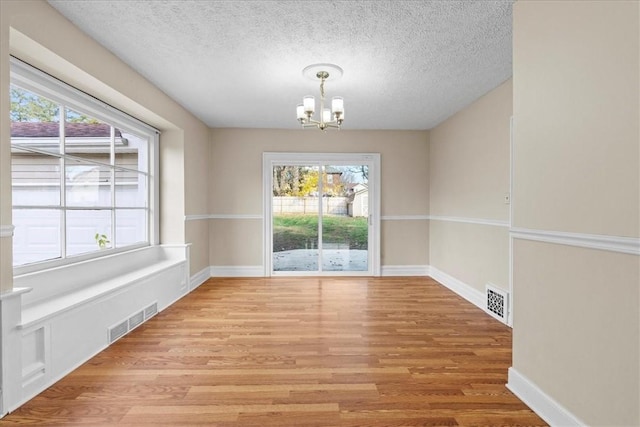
(52, 129)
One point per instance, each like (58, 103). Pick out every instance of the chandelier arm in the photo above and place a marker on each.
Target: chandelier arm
(312, 122)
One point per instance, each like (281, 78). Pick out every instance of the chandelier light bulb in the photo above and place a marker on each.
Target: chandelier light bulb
(300, 112)
(337, 104)
(326, 115)
(309, 103)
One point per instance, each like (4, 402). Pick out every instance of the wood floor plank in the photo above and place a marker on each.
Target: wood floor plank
(298, 352)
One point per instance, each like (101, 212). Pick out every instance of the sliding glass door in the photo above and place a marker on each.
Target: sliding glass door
(319, 214)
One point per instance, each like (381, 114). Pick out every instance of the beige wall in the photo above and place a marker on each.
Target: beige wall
(475, 254)
(404, 242)
(236, 186)
(577, 86)
(197, 170)
(172, 186)
(469, 168)
(196, 194)
(576, 169)
(236, 243)
(576, 329)
(36, 33)
(469, 159)
(197, 234)
(6, 272)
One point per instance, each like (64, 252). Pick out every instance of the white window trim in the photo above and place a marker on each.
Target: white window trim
(41, 83)
(270, 159)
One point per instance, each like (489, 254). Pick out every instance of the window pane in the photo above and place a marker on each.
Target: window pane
(132, 151)
(295, 218)
(34, 121)
(88, 231)
(87, 137)
(131, 189)
(87, 184)
(345, 211)
(131, 226)
(35, 178)
(36, 236)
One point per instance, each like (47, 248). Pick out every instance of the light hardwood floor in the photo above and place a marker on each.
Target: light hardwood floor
(298, 352)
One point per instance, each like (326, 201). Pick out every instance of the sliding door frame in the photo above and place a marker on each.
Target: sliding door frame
(271, 159)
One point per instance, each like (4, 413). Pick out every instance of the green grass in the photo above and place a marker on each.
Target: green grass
(301, 231)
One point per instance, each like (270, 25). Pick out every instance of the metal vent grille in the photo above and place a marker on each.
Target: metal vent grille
(118, 331)
(132, 322)
(136, 319)
(497, 303)
(151, 311)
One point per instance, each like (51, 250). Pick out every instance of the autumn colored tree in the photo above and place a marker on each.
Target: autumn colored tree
(288, 180)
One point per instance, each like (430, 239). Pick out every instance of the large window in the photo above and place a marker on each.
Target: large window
(82, 174)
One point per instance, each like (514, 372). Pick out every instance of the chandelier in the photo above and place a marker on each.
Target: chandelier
(329, 118)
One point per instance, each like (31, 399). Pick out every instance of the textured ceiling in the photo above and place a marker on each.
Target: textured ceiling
(407, 64)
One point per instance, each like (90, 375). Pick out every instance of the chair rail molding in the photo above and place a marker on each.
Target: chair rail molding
(404, 217)
(626, 245)
(465, 220)
(6, 230)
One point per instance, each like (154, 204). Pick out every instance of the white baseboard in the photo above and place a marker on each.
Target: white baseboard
(258, 271)
(404, 270)
(540, 402)
(465, 291)
(199, 278)
(237, 271)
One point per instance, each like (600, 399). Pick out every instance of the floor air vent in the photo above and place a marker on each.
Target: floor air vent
(135, 320)
(151, 311)
(497, 303)
(117, 331)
